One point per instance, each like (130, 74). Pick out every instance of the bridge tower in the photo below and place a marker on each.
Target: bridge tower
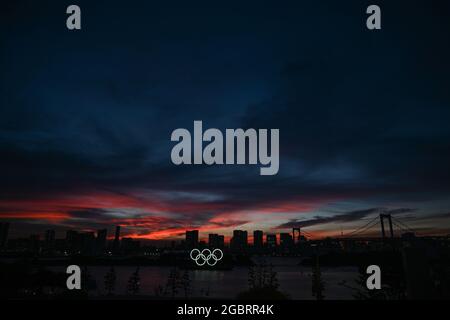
(296, 231)
(391, 231)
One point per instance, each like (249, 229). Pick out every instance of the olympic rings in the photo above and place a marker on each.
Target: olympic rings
(206, 256)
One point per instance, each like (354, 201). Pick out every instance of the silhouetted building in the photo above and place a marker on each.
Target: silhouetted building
(73, 243)
(101, 241)
(271, 240)
(216, 240)
(4, 229)
(49, 243)
(49, 236)
(286, 240)
(192, 239)
(87, 243)
(239, 240)
(116, 243)
(258, 241)
(129, 246)
(408, 236)
(60, 245)
(220, 241)
(19, 244)
(80, 243)
(34, 244)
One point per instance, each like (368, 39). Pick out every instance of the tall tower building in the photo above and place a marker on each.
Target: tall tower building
(257, 239)
(101, 240)
(4, 229)
(116, 243)
(240, 240)
(271, 240)
(192, 239)
(286, 240)
(49, 239)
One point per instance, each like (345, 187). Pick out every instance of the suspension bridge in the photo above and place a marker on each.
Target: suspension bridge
(387, 225)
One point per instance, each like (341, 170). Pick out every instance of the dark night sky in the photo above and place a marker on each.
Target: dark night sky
(86, 116)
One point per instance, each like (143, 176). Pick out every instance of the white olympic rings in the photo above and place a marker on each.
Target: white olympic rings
(206, 256)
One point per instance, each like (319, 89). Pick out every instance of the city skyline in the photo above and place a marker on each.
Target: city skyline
(98, 244)
(392, 228)
(115, 236)
(350, 220)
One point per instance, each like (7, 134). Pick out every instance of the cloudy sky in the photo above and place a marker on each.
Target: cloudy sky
(86, 116)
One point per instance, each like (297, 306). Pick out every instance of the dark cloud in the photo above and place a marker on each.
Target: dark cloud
(351, 216)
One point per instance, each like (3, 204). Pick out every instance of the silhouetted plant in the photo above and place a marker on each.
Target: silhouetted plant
(251, 277)
(173, 283)
(110, 281)
(88, 282)
(318, 285)
(186, 283)
(159, 291)
(134, 283)
(262, 276)
(263, 283)
(272, 278)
